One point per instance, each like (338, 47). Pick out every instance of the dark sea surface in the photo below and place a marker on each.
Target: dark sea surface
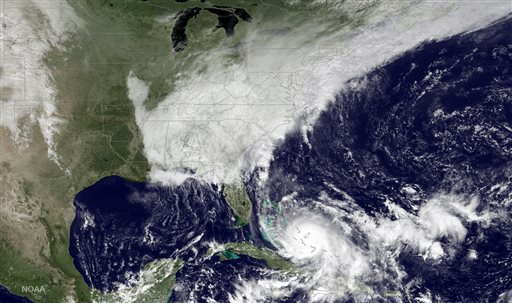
(439, 118)
(120, 226)
(7, 297)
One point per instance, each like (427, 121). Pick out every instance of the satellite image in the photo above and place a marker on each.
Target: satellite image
(259, 151)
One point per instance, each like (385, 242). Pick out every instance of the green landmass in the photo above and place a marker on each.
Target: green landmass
(238, 200)
(270, 257)
(154, 284)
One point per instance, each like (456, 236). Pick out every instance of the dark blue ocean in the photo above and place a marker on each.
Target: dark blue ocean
(7, 297)
(120, 226)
